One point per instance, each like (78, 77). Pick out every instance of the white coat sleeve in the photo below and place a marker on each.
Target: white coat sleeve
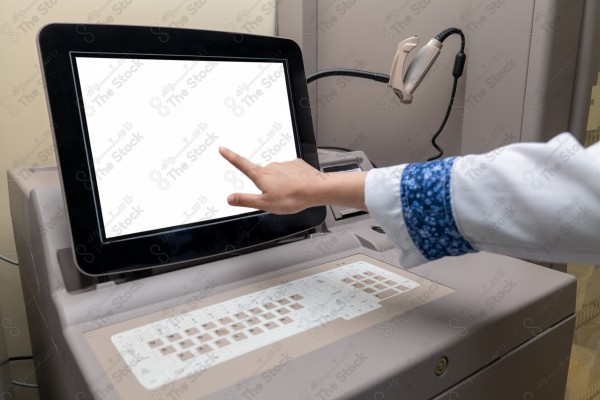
(537, 201)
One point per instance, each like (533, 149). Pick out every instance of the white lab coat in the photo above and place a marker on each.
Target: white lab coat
(536, 201)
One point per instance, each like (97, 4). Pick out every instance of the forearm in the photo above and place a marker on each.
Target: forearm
(346, 189)
(539, 201)
(536, 201)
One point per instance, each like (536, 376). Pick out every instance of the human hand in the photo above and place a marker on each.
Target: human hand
(287, 187)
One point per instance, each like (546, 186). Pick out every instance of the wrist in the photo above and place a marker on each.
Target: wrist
(341, 189)
(314, 189)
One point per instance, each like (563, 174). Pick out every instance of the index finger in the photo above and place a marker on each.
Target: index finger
(241, 163)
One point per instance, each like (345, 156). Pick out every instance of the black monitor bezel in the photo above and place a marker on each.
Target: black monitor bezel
(95, 256)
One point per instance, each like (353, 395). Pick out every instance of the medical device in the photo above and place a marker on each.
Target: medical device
(132, 290)
(137, 136)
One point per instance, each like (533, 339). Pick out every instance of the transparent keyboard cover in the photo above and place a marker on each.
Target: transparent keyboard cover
(175, 347)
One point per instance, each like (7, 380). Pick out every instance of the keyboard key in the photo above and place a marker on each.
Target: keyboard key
(225, 320)
(379, 278)
(385, 294)
(359, 277)
(379, 286)
(221, 332)
(255, 331)
(186, 343)
(347, 280)
(167, 350)
(271, 325)
(369, 290)
(191, 331)
(369, 281)
(209, 325)
(174, 337)
(222, 342)
(185, 356)
(369, 273)
(358, 285)
(241, 315)
(286, 320)
(269, 306)
(237, 326)
(391, 282)
(268, 316)
(296, 306)
(253, 321)
(205, 337)
(155, 343)
(239, 336)
(204, 349)
(256, 310)
(401, 287)
(283, 311)
(296, 297)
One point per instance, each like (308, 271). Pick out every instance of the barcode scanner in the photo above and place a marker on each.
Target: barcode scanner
(404, 84)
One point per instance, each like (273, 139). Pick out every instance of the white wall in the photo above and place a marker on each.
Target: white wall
(24, 128)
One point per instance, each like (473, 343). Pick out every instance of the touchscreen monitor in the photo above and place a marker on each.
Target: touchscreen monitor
(137, 124)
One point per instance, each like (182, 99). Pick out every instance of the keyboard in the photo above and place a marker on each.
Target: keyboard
(169, 349)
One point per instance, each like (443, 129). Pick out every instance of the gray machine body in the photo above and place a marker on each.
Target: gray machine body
(6, 390)
(505, 331)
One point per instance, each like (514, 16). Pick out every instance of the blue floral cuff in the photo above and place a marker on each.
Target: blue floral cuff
(425, 196)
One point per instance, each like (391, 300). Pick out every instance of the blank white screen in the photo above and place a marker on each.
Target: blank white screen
(154, 128)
